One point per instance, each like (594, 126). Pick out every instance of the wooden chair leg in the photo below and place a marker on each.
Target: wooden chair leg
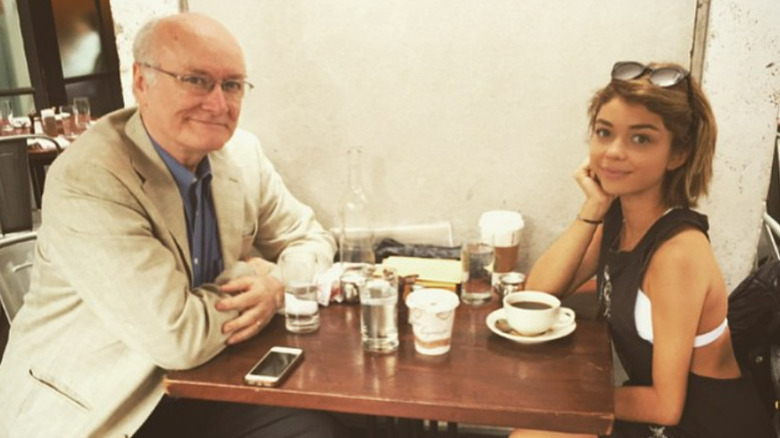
(371, 426)
(452, 429)
(433, 428)
(392, 427)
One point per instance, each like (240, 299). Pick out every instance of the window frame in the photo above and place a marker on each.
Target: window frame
(48, 85)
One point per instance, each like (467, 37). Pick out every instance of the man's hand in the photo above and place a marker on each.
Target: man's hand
(256, 298)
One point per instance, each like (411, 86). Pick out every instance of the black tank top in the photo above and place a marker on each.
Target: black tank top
(714, 408)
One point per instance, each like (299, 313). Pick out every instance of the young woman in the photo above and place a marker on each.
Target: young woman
(660, 289)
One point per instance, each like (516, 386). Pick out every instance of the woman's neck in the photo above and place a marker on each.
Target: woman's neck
(638, 217)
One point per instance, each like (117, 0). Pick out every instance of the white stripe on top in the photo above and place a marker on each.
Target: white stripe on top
(644, 323)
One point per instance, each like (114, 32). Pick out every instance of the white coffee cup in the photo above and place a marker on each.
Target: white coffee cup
(432, 314)
(532, 313)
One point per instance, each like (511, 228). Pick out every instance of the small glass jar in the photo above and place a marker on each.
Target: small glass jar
(511, 282)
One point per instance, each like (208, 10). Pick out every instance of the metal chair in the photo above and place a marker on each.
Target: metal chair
(16, 260)
(768, 241)
(15, 195)
(24, 160)
(40, 158)
(774, 361)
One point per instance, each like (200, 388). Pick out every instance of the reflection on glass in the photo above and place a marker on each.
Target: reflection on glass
(78, 36)
(99, 92)
(13, 64)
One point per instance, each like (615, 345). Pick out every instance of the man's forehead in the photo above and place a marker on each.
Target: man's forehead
(197, 32)
(196, 58)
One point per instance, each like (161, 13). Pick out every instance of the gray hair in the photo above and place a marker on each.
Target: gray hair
(144, 46)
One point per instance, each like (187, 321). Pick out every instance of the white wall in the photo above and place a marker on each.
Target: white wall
(129, 16)
(742, 78)
(462, 107)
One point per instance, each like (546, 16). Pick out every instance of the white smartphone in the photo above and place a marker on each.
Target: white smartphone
(274, 366)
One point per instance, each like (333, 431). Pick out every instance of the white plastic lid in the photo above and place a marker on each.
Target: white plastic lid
(501, 227)
(433, 300)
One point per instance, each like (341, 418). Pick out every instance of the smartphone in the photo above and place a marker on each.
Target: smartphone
(274, 366)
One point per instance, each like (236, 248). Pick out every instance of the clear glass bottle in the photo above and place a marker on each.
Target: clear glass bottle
(356, 241)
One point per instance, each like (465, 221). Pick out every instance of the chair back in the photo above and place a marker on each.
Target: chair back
(22, 175)
(15, 189)
(16, 260)
(774, 360)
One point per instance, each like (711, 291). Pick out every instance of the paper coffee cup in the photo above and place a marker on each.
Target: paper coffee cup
(432, 314)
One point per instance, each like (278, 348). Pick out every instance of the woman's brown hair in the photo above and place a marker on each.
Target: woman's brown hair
(687, 114)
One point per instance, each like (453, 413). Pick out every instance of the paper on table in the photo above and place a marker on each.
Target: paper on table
(439, 273)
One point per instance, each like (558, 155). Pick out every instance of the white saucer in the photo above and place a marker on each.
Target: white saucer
(550, 335)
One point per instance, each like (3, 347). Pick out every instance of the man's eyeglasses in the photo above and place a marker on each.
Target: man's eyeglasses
(664, 77)
(201, 85)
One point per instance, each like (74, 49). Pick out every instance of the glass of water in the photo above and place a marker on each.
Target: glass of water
(6, 117)
(379, 311)
(82, 113)
(299, 275)
(476, 258)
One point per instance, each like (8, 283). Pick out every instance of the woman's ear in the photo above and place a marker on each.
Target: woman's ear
(676, 160)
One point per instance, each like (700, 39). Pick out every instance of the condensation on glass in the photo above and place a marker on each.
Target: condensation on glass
(78, 35)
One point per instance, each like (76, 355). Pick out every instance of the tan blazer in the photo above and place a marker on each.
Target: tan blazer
(110, 306)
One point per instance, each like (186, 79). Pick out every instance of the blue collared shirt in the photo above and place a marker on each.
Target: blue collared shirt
(202, 232)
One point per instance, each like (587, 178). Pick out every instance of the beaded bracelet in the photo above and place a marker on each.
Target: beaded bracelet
(589, 221)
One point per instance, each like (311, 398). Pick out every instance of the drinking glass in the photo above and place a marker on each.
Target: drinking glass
(476, 257)
(82, 114)
(379, 311)
(299, 275)
(6, 118)
(66, 115)
(49, 122)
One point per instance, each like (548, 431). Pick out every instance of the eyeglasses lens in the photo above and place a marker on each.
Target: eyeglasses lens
(666, 77)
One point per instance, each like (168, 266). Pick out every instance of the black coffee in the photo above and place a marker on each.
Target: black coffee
(531, 305)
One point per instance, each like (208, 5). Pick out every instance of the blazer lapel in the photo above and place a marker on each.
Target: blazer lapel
(227, 193)
(158, 183)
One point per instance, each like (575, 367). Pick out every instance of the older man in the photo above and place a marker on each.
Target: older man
(144, 260)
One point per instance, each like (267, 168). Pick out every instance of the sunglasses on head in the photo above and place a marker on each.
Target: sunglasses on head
(663, 76)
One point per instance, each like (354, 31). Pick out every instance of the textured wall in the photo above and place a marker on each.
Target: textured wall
(128, 17)
(462, 107)
(742, 79)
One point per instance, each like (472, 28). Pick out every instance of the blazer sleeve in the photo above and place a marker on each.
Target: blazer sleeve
(114, 251)
(283, 222)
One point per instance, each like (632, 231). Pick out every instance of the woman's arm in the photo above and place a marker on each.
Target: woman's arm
(572, 258)
(568, 262)
(677, 281)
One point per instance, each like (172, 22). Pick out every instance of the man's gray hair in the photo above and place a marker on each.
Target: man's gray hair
(144, 48)
(143, 45)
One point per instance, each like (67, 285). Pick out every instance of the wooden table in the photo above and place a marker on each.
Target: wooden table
(565, 385)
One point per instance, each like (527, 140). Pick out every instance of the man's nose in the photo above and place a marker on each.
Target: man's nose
(216, 100)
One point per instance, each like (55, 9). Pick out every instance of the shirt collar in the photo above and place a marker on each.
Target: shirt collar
(182, 175)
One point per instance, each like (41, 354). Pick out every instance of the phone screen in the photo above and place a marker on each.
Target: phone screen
(274, 364)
